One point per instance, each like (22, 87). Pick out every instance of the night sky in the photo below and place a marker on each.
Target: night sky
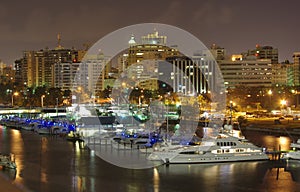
(235, 25)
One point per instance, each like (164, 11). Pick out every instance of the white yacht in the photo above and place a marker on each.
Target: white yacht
(295, 153)
(222, 148)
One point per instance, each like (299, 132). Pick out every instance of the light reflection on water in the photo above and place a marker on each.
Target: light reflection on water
(17, 146)
(155, 180)
(53, 164)
(242, 176)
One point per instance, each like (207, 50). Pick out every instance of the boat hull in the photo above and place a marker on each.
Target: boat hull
(208, 158)
(292, 155)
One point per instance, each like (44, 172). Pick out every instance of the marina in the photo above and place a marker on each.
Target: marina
(90, 159)
(204, 97)
(49, 163)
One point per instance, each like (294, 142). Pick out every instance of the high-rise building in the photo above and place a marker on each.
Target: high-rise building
(20, 76)
(264, 52)
(250, 71)
(36, 68)
(208, 65)
(7, 74)
(91, 73)
(217, 52)
(185, 75)
(296, 69)
(280, 74)
(141, 60)
(153, 61)
(64, 74)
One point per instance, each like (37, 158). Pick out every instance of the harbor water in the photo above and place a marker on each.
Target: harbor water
(52, 164)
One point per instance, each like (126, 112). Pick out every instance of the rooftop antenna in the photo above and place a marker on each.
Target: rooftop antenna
(58, 41)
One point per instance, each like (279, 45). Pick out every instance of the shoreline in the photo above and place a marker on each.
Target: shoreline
(286, 126)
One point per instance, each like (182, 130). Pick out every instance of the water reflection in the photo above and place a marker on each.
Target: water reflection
(8, 173)
(53, 164)
(239, 176)
(155, 180)
(269, 141)
(16, 144)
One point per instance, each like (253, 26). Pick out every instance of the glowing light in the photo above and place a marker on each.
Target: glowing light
(270, 92)
(283, 102)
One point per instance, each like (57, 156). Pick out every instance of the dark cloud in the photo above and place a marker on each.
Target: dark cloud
(235, 25)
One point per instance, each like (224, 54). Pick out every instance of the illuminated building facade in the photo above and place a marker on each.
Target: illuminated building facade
(64, 74)
(91, 73)
(280, 74)
(186, 75)
(217, 52)
(250, 71)
(296, 69)
(7, 74)
(37, 67)
(264, 52)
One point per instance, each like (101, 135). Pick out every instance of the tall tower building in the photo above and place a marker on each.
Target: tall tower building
(64, 74)
(38, 66)
(296, 69)
(20, 76)
(186, 75)
(153, 60)
(136, 60)
(91, 73)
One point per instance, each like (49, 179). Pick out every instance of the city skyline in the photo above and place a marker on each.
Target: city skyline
(235, 25)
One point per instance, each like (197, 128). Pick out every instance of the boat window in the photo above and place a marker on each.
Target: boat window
(188, 152)
(227, 150)
(241, 150)
(218, 144)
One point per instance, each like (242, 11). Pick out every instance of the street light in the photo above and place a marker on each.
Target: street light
(270, 97)
(283, 102)
(42, 100)
(12, 98)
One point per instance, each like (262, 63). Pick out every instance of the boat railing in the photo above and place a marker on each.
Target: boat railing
(97, 140)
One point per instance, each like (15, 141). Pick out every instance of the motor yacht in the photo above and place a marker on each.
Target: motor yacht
(222, 148)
